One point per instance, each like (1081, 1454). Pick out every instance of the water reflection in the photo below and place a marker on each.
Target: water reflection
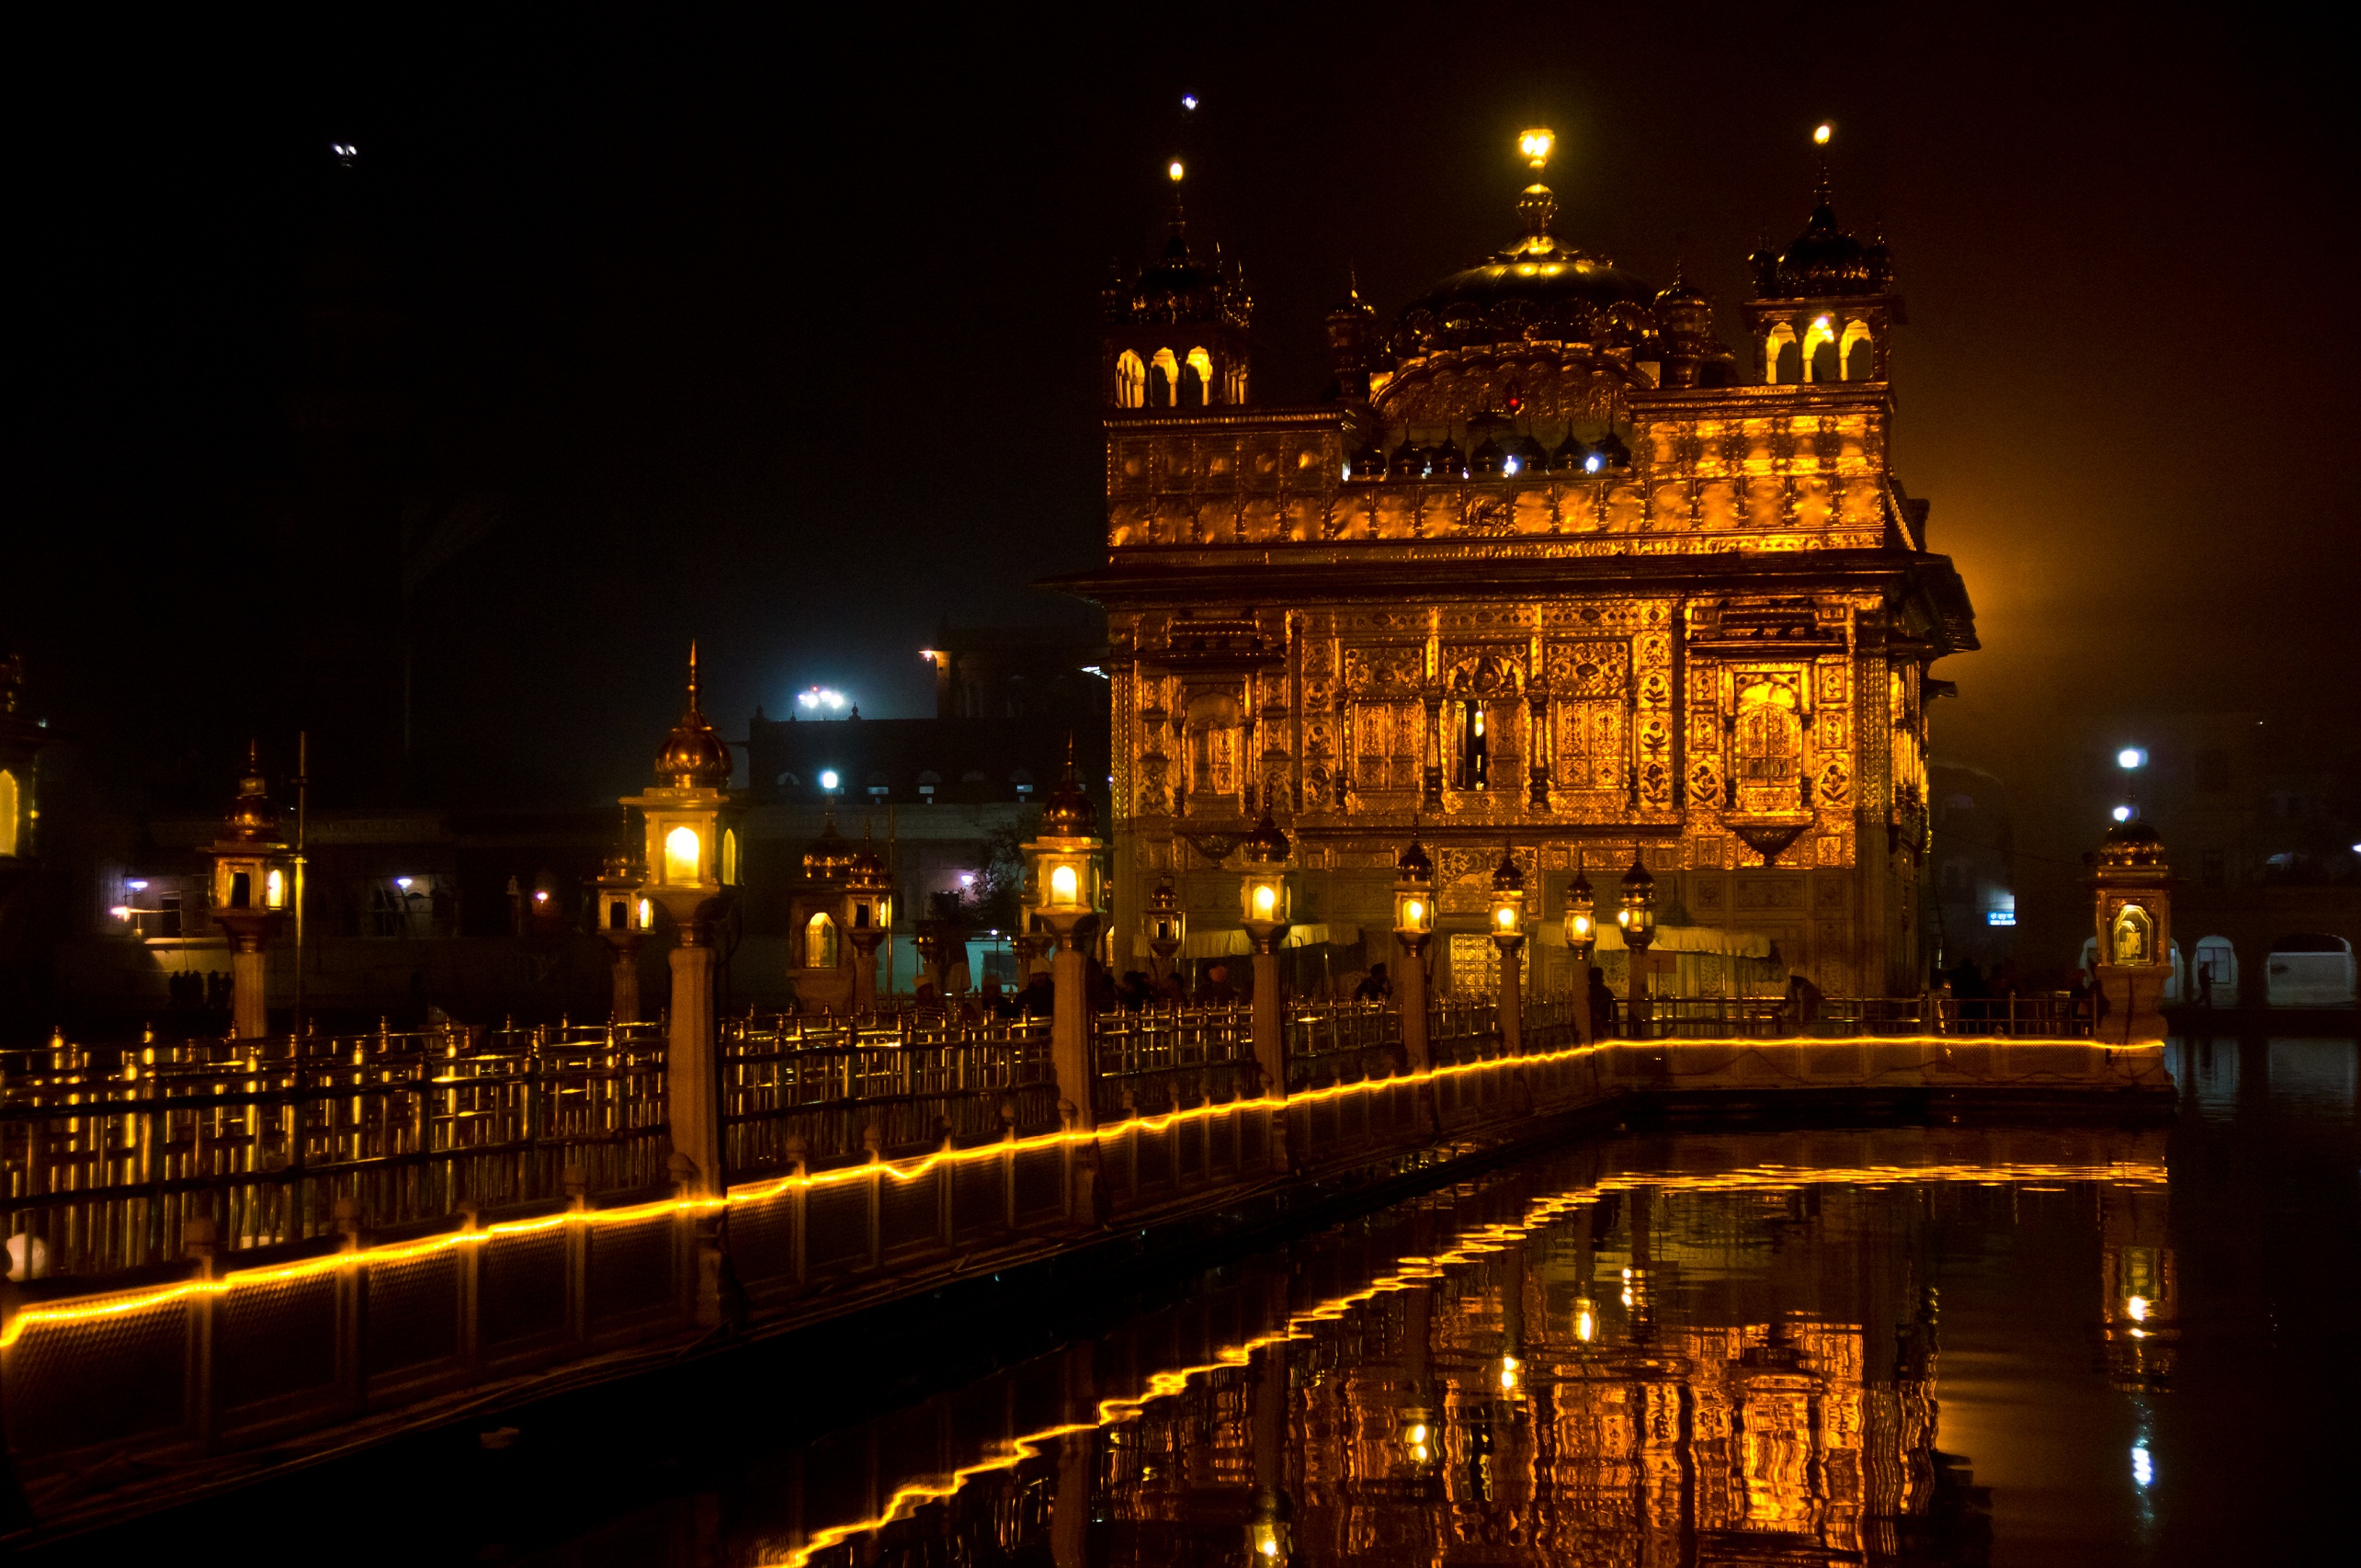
(1677, 1349)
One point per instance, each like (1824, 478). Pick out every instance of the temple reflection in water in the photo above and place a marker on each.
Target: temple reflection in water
(1680, 1350)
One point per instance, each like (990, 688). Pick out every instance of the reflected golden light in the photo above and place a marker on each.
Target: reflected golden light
(1536, 144)
(274, 889)
(1414, 912)
(1064, 885)
(2136, 1309)
(1507, 917)
(1586, 1320)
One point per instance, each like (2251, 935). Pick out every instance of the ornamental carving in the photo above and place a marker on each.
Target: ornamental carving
(1587, 669)
(1385, 672)
(1482, 672)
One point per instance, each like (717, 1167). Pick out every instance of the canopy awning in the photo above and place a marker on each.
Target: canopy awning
(1669, 939)
(1234, 943)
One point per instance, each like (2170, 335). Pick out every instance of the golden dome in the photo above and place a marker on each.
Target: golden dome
(1508, 876)
(1266, 846)
(1069, 813)
(1415, 865)
(251, 819)
(2132, 844)
(866, 871)
(693, 757)
(829, 858)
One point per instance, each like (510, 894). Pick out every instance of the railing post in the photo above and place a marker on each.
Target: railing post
(577, 1254)
(200, 1235)
(1070, 1041)
(352, 1305)
(1008, 1162)
(946, 1221)
(1270, 1017)
(470, 1274)
(873, 1143)
(798, 1207)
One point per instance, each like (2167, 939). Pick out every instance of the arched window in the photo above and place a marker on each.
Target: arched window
(8, 813)
(729, 856)
(1233, 384)
(1131, 380)
(1475, 747)
(1819, 351)
(1163, 379)
(1196, 379)
(1860, 354)
(1781, 363)
(819, 943)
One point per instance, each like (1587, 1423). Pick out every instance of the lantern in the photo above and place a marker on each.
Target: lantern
(1637, 915)
(1167, 923)
(683, 839)
(251, 875)
(1268, 1527)
(1413, 895)
(1506, 914)
(1263, 889)
(1063, 861)
(1580, 922)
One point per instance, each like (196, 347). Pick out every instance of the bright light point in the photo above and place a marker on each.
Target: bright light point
(121, 912)
(1064, 883)
(2136, 1309)
(1188, 100)
(1414, 912)
(1623, 918)
(1175, 171)
(1266, 899)
(1508, 465)
(540, 895)
(401, 882)
(1507, 919)
(1593, 463)
(2143, 1467)
(1536, 145)
(1821, 133)
(828, 779)
(819, 698)
(2130, 757)
(2122, 814)
(137, 884)
(930, 655)
(684, 856)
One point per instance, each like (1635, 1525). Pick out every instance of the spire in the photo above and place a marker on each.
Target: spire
(692, 678)
(1822, 134)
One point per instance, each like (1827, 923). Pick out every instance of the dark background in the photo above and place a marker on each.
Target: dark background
(777, 331)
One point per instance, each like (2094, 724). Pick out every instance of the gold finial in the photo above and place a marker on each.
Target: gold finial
(1821, 133)
(692, 675)
(1536, 145)
(1175, 171)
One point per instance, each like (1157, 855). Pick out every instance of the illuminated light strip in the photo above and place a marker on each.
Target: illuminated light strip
(1411, 1271)
(402, 1252)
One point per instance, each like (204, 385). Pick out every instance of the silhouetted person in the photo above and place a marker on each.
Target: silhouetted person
(1602, 1004)
(1216, 990)
(1803, 1001)
(1040, 998)
(1374, 986)
(2205, 985)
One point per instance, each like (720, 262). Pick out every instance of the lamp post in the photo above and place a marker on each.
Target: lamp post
(1581, 935)
(1506, 927)
(252, 880)
(1637, 919)
(869, 916)
(625, 916)
(682, 812)
(1065, 872)
(1413, 927)
(1263, 898)
(1167, 925)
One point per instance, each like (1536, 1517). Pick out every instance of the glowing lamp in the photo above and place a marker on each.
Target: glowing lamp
(1414, 894)
(1536, 144)
(1267, 1530)
(1263, 888)
(1506, 915)
(1637, 915)
(2130, 757)
(868, 895)
(1582, 923)
(1175, 172)
(1512, 1376)
(249, 864)
(1821, 133)
(1585, 1319)
(2121, 813)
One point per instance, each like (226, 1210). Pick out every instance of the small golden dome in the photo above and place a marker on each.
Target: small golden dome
(251, 819)
(693, 757)
(1266, 846)
(864, 870)
(1508, 876)
(2132, 844)
(1069, 813)
(829, 859)
(1414, 864)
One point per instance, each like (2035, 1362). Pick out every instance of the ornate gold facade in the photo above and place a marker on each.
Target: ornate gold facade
(1538, 578)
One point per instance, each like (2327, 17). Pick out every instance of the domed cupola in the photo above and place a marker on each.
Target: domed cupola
(1534, 319)
(1687, 352)
(1174, 333)
(1484, 462)
(693, 757)
(1409, 460)
(829, 858)
(1068, 812)
(1824, 306)
(1573, 456)
(1445, 460)
(1369, 463)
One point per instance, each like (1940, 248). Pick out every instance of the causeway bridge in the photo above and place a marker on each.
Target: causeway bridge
(226, 1254)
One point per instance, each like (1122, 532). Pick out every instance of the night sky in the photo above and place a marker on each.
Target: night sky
(781, 334)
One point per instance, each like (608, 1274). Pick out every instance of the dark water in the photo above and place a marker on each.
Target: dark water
(2052, 1343)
